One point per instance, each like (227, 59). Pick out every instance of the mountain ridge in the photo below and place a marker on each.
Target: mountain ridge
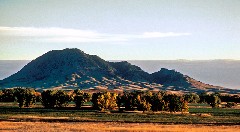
(72, 68)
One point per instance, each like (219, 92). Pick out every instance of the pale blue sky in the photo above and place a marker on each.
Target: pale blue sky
(121, 29)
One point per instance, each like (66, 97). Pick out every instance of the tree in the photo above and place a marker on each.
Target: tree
(144, 105)
(8, 95)
(230, 104)
(175, 102)
(94, 100)
(158, 104)
(203, 97)
(62, 98)
(128, 100)
(55, 98)
(49, 98)
(80, 98)
(191, 98)
(25, 96)
(104, 101)
(1, 96)
(213, 100)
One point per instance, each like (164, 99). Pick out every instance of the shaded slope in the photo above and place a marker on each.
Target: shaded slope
(56, 67)
(170, 78)
(72, 68)
(130, 72)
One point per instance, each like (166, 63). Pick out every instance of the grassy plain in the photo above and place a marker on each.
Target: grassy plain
(199, 118)
(109, 126)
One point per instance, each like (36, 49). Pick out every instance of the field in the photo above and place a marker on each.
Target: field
(110, 126)
(199, 118)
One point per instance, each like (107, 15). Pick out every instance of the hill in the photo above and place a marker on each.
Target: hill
(72, 68)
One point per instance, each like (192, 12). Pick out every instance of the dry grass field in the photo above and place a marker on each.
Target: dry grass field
(110, 126)
(200, 118)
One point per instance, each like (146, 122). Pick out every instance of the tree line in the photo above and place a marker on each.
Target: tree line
(126, 101)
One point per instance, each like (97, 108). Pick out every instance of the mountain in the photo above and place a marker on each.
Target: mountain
(72, 68)
(130, 72)
(217, 72)
(57, 67)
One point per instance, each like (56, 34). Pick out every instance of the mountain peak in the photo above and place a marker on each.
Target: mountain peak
(75, 69)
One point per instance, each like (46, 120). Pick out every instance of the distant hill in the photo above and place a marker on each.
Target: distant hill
(72, 68)
(217, 72)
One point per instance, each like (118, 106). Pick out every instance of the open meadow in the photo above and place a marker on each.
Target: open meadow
(109, 126)
(199, 118)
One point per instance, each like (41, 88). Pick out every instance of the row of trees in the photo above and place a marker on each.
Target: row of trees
(137, 100)
(25, 97)
(146, 101)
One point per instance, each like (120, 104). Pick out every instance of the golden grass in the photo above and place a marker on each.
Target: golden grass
(110, 126)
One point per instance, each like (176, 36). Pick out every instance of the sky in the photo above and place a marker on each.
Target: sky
(121, 29)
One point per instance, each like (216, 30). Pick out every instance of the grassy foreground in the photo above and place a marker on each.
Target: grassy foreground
(110, 126)
(199, 118)
(207, 116)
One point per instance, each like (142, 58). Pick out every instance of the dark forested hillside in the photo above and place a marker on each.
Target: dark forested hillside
(72, 68)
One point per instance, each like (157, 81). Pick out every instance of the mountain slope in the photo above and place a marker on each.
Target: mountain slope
(130, 72)
(72, 68)
(57, 67)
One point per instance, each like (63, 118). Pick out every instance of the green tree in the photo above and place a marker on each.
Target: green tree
(191, 98)
(49, 98)
(80, 98)
(158, 103)
(175, 102)
(55, 98)
(203, 97)
(8, 95)
(144, 105)
(25, 96)
(213, 100)
(62, 98)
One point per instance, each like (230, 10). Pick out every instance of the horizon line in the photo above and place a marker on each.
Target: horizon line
(144, 60)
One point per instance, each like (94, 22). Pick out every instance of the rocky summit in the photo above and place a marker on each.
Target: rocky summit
(72, 68)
